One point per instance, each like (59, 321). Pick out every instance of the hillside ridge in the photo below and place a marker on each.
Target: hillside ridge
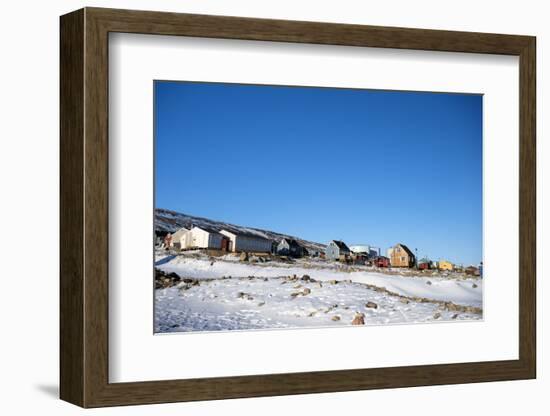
(167, 220)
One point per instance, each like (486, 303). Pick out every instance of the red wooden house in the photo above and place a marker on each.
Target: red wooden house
(424, 264)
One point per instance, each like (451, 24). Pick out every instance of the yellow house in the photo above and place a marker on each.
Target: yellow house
(445, 265)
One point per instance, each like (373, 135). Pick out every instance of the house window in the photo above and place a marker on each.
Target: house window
(402, 258)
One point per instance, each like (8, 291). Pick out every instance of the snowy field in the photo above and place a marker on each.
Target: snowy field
(226, 294)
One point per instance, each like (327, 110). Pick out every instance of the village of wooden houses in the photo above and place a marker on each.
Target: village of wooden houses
(214, 276)
(218, 242)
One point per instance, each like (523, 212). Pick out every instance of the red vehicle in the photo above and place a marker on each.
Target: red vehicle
(381, 261)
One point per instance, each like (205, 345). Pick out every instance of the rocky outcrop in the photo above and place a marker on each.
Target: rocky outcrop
(164, 281)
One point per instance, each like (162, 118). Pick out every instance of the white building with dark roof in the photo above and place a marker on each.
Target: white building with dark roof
(251, 241)
(290, 247)
(335, 249)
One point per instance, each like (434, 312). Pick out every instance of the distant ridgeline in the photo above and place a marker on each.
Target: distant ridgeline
(167, 221)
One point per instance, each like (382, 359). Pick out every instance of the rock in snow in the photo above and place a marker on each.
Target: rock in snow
(358, 319)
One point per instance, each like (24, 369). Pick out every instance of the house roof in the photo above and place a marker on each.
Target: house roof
(291, 242)
(407, 250)
(211, 230)
(245, 233)
(341, 245)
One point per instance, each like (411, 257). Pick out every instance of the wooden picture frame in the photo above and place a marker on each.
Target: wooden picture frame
(84, 207)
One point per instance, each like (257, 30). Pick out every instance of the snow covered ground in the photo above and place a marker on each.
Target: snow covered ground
(234, 295)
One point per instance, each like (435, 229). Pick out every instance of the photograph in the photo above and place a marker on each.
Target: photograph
(293, 207)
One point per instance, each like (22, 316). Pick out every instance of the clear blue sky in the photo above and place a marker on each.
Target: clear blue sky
(363, 166)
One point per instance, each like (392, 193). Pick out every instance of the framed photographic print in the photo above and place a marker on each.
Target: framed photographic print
(255, 207)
